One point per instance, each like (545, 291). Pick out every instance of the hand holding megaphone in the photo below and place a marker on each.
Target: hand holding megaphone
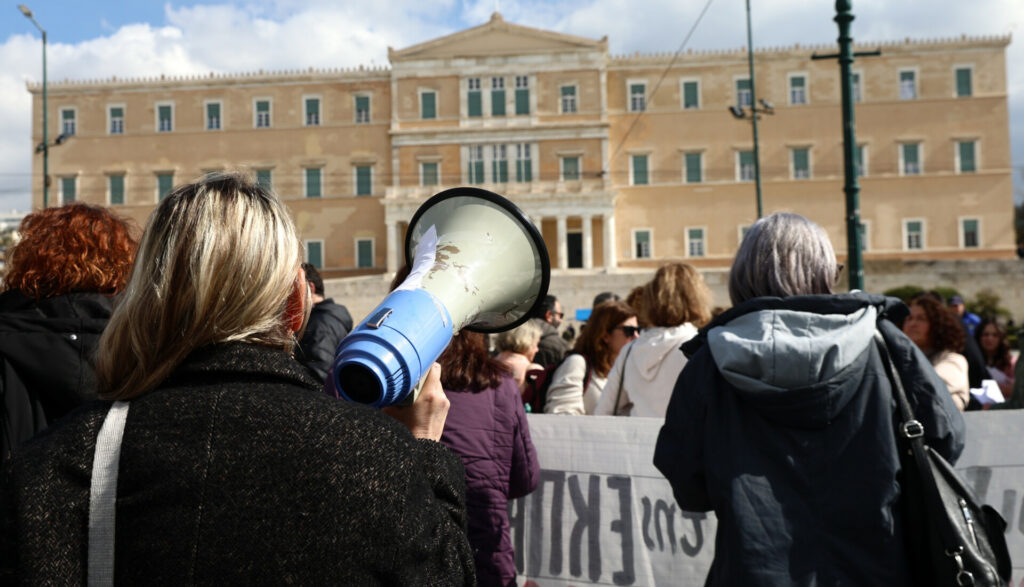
(477, 262)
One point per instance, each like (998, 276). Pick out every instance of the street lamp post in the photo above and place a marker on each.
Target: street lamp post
(753, 117)
(46, 139)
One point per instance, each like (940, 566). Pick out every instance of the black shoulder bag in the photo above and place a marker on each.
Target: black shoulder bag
(951, 538)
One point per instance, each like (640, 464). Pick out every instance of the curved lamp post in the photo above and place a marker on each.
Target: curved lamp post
(46, 139)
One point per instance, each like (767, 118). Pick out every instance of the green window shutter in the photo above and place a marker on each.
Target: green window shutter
(522, 101)
(970, 233)
(429, 173)
(501, 171)
(801, 163)
(858, 160)
(524, 170)
(315, 254)
(263, 178)
(476, 172)
(263, 106)
(690, 98)
(362, 109)
(497, 102)
(364, 180)
(68, 114)
(963, 82)
(116, 189)
(642, 243)
(165, 118)
(746, 158)
(910, 154)
(570, 168)
(364, 253)
(313, 183)
(967, 164)
(568, 90)
(67, 188)
(428, 105)
(743, 85)
(312, 106)
(474, 103)
(165, 183)
(640, 170)
(117, 112)
(693, 171)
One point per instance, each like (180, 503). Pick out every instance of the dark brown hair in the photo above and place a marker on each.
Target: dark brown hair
(591, 343)
(945, 332)
(1000, 359)
(467, 366)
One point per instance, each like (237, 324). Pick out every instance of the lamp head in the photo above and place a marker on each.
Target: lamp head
(61, 138)
(24, 10)
(736, 111)
(767, 105)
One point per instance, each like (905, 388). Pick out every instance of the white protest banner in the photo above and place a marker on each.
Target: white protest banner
(603, 515)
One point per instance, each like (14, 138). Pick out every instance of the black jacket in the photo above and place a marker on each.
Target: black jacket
(328, 324)
(551, 348)
(239, 470)
(782, 422)
(46, 359)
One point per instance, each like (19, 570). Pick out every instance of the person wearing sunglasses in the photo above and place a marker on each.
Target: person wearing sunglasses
(577, 383)
(675, 303)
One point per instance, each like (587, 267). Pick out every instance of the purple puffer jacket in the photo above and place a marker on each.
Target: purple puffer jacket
(488, 430)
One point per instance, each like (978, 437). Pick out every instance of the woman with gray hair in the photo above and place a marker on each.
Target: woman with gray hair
(782, 420)
(516, 349)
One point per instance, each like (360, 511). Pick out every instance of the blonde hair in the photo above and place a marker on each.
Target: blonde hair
(519, 339)
(217, 262)
(675, 295)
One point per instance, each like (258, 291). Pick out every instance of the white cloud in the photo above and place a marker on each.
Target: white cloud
(297, 34)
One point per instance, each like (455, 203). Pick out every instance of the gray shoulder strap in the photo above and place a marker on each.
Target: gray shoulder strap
(103, 495)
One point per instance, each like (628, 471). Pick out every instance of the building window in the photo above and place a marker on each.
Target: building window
(744, 166)
(430, 174)
(264, 178)
(524, 165)
(693, 163)
(476, 164)
(970, 233)
(497, 96)
(691, 94)
(860, 160)
(638, 170)
(569, 105)
(964, 88)
(364, 180)
(116, 115)
(965, 157)
(499, 164)
(164, 185)
(315, 253)
(801, 161)
(570, 168)
(695, 242)
(262, 110)
(908, 85)
(743, 92)
(362, 109)
(637, 97)
(115, 189)
(797, 90)
(474, 100)
(522, 95)
(855, 81)
(312, 111)
(642, 244)
(213, 116)
(364, 252)
(67, 121)
(913, 231)
(314, 182)
(428, 105)
(165, 117)
(910, 159)
(68, 189)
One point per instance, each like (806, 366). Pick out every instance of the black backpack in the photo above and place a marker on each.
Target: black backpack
(537, 382)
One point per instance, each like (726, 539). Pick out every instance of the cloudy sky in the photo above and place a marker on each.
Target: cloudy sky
(127, 38)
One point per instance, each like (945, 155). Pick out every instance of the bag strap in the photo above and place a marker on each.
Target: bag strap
(622, 378)
(103, 496)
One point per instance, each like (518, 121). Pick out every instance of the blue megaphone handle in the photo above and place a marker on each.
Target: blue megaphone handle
(386, 355)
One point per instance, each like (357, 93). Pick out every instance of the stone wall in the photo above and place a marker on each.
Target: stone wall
(576, 289)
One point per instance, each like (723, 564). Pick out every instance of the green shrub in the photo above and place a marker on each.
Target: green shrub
(903, 292)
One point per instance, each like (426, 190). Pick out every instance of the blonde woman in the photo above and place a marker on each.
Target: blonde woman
(675, 303)
(516, 349)
(221, 459)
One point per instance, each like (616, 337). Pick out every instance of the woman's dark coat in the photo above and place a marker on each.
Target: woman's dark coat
(239, 470)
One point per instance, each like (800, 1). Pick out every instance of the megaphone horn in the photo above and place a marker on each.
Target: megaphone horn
(477, 263)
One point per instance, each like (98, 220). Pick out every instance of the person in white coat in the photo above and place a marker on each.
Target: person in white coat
(676, 302)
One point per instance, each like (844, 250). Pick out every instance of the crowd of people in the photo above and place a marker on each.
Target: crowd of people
(195, 441)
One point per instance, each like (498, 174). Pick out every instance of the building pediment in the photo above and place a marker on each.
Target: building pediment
(494, 38)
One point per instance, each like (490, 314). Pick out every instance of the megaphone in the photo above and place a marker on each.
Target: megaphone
(477, 263)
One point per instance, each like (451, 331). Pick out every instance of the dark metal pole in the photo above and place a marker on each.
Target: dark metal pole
(854, 262)
(753, 114)
(46, 137)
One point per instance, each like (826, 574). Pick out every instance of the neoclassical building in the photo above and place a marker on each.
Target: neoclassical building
(621, 161)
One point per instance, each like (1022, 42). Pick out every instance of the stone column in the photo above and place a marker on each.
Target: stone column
(563, 249)
(588, 242)
(609, 242)
(392, 227)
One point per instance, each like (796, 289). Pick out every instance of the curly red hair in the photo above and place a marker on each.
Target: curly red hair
(73, 248)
